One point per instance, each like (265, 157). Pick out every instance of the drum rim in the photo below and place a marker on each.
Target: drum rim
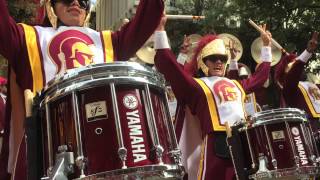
(300, 172)
(173, 170)
(96, 74)
(279, 111)
(277, 120)
(56, 94)
(72, 74)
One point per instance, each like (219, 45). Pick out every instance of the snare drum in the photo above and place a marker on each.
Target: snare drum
(109, 121)
(278, 144)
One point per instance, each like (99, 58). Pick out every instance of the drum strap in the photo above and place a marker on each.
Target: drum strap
(34, 142)
(237, 154)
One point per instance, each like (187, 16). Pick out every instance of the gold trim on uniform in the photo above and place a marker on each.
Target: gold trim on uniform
(202, 159)
(308, 101)
(108, 47)
(34, 57)
(212, 107)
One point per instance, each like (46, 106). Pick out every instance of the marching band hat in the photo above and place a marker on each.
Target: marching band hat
(51, 15)
(209, 45)
(3, 81)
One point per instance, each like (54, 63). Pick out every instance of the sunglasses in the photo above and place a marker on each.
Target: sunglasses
(215, 58)
(84, 4)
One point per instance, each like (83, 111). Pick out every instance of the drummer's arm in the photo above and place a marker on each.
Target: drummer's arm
(293, 76)
(183, 85)
(11, 35)
(233, 70)
(260, 76)
(134, 34)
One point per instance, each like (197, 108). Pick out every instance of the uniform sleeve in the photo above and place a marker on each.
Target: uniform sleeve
(134, 34)
(257, 79)
(292, 78)
(13, 47)
(2, 115)
(185, 88)
(11, 35)
(233, 74)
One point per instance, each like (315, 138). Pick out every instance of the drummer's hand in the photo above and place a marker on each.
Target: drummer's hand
(162, 24)
(313, 43)
(265, 36)
(233, 51)
(185, 45)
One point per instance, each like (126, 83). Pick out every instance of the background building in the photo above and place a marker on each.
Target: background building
(111, 13)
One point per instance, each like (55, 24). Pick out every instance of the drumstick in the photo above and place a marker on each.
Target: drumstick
(28, 101)
(185, 17)
(228, 130)
(274, 42)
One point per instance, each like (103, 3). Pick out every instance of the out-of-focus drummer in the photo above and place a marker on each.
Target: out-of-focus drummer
(298, 92)
(210, 100)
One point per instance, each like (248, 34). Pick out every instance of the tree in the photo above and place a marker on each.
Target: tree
(22, 12)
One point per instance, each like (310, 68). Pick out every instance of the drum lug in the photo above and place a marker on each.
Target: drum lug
(176, 155)
(81, 163)
(275, 163)
(63, 166)
(122, 152)
(313, 159)
(262, 164)
(159, 153)
(297, 160)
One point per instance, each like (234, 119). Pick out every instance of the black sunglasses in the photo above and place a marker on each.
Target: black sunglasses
(213, 58)
(84, 4)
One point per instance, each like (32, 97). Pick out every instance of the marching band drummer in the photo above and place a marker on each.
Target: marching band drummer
(211, 100)
(3, 98)
(37, 53)
(297, 91)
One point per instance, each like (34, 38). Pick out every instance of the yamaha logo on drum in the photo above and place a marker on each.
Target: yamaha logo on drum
(299, 145)
(130, 101)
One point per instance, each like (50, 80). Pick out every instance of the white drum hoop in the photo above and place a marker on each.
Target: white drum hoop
(277, 116)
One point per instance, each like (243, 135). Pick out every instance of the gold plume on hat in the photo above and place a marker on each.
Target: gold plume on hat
(51, 14)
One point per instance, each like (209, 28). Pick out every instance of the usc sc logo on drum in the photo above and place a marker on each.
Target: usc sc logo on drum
(225, 90)
(71, 49)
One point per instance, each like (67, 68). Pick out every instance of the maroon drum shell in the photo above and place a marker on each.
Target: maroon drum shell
(281, 146)
(101, 150)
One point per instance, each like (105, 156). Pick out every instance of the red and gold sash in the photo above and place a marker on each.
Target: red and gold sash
(311, 94)
(225, 100)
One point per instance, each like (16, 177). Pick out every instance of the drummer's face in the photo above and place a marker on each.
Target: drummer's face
(216, 65)
(70, 14)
